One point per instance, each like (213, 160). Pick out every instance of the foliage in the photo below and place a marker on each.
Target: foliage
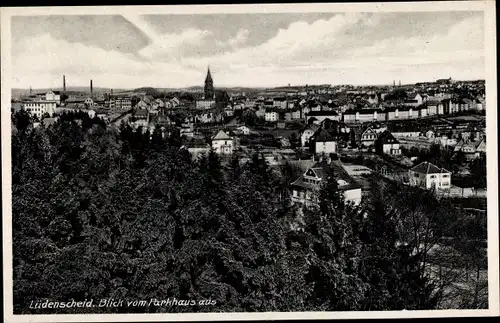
(100, 213)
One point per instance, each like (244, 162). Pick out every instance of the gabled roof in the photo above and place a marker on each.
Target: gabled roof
(322, 170)
(429, 168)
(322, 135)
(221, 135)
(387, 138)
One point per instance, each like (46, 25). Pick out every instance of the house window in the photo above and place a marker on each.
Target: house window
(446, 176)
(294, 193)
(433, 176)
(416, 175)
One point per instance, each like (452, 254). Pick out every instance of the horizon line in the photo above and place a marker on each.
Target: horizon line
(245, 86)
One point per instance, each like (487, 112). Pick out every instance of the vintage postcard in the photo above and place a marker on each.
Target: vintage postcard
(278, 161)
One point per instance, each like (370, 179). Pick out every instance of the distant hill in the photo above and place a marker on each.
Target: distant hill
(17, 93)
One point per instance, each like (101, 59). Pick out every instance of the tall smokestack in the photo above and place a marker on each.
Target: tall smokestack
(90, 87)
(64, 83)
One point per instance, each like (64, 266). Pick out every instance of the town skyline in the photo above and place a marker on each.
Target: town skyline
(259, 50)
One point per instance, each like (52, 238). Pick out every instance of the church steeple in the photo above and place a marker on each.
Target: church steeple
(209, 86)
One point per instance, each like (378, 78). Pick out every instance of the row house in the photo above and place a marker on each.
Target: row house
(280, 103)
(293, 114)
(320, 116)
(272, 115)
(364, 115)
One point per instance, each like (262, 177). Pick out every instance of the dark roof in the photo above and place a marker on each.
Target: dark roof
(363, 111)
(322, 170)
(322, 113)
(322, 135)
(269, 110)
(428, 168)
(387, 138)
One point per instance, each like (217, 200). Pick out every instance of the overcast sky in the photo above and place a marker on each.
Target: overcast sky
(246, 49)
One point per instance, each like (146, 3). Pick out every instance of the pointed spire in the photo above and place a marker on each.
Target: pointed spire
(209, 76)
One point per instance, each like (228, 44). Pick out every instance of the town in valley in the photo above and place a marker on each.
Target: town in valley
(292, 162)
(366, 129)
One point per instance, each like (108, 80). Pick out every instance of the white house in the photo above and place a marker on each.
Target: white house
(271, 115)
(324, 143)
(244, 130)
(222, 143)
(307, 133)
(429, 176)
(387, 144)
(306, 188)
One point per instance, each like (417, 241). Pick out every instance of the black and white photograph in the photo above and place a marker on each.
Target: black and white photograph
(249, 159)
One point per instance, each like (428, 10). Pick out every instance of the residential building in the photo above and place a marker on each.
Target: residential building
(205, 104)
(280, 103)
(271, 115)
(305, 190)
(368, 137)
(429, 176)
(307, 133)
(324, 143)
(320, 116)
(222, 143)
(387, 144)
(470, 149)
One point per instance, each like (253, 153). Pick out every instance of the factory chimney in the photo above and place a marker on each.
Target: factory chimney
(90, 87)
(64, 83)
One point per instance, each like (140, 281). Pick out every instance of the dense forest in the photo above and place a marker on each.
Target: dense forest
(118, 213)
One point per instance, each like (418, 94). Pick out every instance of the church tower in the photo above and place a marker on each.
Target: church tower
(209, 87)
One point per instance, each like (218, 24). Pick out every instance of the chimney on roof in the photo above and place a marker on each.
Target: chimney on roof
(64, 83)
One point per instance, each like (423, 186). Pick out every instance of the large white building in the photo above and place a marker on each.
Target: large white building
(429, 176)
(271, 115)
(39, 108)
(53, 96)
(205, 104)
(222, 143)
